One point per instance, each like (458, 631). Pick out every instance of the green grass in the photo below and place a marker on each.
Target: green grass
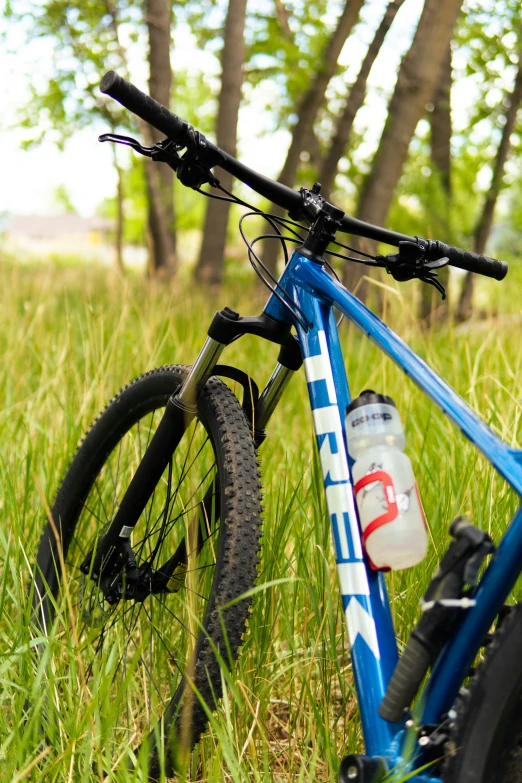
(69, 339)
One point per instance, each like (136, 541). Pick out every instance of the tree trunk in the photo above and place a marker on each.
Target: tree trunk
(283, 15)
(112, 11)
(441, 123)
(355, 100)
(431, 308)
(418, 75)
(160, 181)
(483, 227)
(211, 257)
(311, 102)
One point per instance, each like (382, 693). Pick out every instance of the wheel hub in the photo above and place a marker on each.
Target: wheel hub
(124, 580)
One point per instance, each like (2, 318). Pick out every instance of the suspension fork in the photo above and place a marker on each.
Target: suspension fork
(270, 397)
(263, 411)
(181, 409)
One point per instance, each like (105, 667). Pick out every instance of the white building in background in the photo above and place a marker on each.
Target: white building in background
(52, 228)
(39, 237)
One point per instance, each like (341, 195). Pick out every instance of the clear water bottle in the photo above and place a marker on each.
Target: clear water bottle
(390, 511)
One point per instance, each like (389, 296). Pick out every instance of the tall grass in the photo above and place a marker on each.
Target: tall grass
(69, 339)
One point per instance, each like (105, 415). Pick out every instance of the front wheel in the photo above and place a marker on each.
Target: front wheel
(148, 638)
(486, 746)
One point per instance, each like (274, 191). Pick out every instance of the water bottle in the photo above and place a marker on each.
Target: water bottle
(390, 510)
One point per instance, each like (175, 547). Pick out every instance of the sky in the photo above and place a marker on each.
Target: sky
(30, 178)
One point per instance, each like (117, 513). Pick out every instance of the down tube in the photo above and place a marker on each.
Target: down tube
(365, 600)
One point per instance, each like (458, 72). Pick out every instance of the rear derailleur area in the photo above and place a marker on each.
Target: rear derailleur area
(448, 598)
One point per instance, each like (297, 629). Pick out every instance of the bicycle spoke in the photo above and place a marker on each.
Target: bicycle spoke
(173, 521)
(186, 511)
(101, 499)
(143, 647)
(157, 631)
(154, 529)
(174, 616)
(183, 476)
(141, 660)
(159, 541)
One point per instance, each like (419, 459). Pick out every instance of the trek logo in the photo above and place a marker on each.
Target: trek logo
(373, 417)
(339, 498)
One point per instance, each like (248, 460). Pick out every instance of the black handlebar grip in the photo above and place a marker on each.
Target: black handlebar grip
(406, 679)
(143, 106)
(473, 262)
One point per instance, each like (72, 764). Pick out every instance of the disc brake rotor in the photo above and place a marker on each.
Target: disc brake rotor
(94, 608)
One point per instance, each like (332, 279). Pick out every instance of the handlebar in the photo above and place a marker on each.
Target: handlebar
(471, 262)
(143, 105)
(182, 133)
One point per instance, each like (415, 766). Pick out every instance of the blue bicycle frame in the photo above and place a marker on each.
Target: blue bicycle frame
(364, 595)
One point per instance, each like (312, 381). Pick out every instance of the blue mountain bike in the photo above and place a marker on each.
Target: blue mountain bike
(155, 529)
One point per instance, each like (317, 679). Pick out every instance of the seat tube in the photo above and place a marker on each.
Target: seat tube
(365, 600)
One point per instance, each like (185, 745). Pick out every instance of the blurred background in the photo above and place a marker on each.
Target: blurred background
(406, 112)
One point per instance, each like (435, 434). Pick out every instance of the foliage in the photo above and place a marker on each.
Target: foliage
(490, 38)
(491, 35)
(135, 203)
(421, 206)
(70, 338)
(507, 234)
(284, 42)
(84, 42)
(62, 201)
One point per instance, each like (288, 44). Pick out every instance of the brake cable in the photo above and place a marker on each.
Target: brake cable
(194, 170)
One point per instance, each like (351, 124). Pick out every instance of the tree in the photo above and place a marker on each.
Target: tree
(86, 43)
(160, 179)
(505, 119)
(485, 221)
(418, 75)
(354, 101)
(210, 264)
(440, 122)
(308, 108)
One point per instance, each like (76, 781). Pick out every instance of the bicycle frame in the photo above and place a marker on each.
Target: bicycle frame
(364, 595)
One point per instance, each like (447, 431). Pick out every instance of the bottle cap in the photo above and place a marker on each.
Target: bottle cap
(367, 397)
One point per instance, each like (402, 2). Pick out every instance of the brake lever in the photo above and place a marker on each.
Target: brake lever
(128, 141)
(409, 264)
(431, 279)
(164, 151)
(430, 276)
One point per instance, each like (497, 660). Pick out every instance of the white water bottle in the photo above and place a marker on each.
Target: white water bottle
(390, 511)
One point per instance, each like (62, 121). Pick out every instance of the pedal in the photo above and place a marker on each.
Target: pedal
(362, 769)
